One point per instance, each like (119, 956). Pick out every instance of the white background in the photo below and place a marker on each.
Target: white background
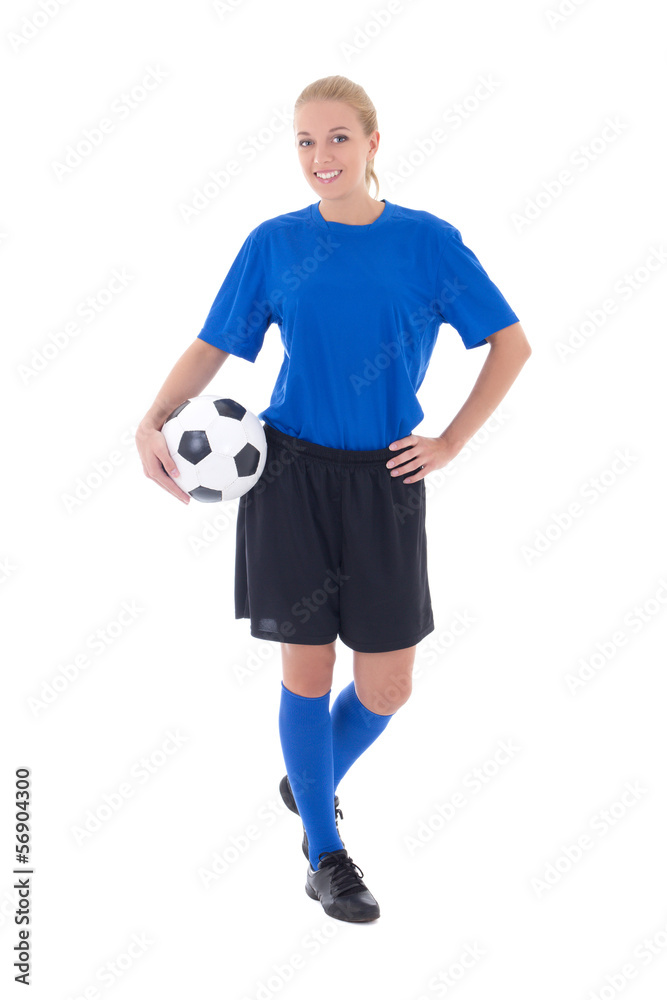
(494, 878)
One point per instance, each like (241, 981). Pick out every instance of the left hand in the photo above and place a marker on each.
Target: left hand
(424, 454)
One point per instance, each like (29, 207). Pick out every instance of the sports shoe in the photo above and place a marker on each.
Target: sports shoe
(339, 888)
(288, 798)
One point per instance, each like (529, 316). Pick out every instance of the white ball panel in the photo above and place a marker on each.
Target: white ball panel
(198, 414)
(172, 432)
(262, 463)
(216, 471)
(226, 436)
(254, 431)
(239, 487)
(188, 475)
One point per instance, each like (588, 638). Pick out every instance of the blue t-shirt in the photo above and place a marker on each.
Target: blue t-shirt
(359, 309)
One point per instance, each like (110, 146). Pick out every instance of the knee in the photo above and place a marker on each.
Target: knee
(308, 687)
(307, 670)
(388, 698)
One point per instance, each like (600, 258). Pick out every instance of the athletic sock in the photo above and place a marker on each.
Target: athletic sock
(354, 727)
(305, 735)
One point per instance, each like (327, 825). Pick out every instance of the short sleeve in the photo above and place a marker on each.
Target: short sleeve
(241, 312)
(466, 298)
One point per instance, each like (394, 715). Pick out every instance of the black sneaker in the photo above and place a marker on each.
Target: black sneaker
(339, 888)
(288, 798)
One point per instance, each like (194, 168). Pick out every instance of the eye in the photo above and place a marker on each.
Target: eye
(335, 137)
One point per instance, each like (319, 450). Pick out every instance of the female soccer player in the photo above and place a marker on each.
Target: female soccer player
(331, 540)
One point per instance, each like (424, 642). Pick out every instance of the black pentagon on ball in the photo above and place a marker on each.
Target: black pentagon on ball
(205, 495)
(230, 408)
(247, 460)
(194, 446)
(178, 409)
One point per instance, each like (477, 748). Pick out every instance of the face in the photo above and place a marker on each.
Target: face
(329, 139)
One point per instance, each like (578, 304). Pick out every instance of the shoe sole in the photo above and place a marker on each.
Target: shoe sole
(335, 916)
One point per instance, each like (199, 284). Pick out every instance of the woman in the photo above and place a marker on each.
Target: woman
(331, 540)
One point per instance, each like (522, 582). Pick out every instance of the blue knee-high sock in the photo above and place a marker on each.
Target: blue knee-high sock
(305, 735)
(354, 727)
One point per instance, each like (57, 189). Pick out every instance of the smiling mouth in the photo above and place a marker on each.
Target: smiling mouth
(328, 175)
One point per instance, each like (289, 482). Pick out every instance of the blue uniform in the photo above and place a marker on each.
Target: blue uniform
(359, 309)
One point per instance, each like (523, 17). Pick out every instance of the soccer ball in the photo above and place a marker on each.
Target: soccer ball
(218, 447)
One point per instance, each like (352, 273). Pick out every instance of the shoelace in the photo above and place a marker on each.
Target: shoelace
(344, 879)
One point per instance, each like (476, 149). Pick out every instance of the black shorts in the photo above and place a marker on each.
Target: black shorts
(328, 542)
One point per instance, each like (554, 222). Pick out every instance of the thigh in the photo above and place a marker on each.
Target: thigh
(288, 560)
(308, 670)
(385, 597)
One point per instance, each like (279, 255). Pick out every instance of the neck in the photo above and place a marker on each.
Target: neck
(352, 213)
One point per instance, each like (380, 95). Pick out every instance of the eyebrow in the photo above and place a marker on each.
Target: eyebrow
(336, 129)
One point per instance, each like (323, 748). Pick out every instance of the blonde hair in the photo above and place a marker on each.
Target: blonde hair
(339, 88)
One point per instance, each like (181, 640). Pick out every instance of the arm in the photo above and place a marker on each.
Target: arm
(188, 378)
(508, 352)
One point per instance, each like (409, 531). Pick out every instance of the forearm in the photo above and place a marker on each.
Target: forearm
(505, 360)
(188, 378)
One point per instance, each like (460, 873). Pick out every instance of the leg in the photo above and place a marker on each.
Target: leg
(308, 670)
(306, 738)
(382, 683)
(384, 680)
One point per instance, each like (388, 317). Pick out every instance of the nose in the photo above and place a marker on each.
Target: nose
(321, 158)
